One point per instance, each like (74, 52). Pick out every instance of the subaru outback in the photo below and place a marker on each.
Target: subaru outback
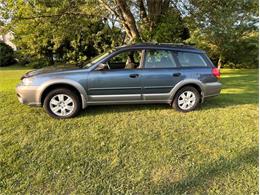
(179, 75)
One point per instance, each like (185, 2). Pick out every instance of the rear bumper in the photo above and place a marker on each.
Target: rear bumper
(27, 95)
(212, 89)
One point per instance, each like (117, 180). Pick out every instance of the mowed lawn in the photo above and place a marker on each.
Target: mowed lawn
(133, 149)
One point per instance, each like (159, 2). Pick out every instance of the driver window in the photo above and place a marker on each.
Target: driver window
(125, 60)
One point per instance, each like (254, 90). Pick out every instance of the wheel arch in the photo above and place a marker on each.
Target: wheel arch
(198, 85)
(72, 85)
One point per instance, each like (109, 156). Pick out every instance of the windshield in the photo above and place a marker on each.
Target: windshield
(96, 59)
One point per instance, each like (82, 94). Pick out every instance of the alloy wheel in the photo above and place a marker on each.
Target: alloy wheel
(186, 100)
(61, 105)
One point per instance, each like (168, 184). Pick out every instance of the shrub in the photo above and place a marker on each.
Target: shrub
(239, 66)
(38, 63)
(6, 55)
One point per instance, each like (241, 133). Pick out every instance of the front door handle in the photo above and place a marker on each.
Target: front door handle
(176, 74)
(134, 75)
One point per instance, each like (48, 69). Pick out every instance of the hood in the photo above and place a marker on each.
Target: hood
(50, 69)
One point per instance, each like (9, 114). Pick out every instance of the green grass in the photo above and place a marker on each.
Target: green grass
(133, 148)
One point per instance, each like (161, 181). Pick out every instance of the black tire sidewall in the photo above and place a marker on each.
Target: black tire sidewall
(179, 92)
(69, 93)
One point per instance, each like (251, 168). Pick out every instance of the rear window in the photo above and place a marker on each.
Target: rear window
(187, 59)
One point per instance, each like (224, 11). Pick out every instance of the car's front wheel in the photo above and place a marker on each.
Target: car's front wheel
(186, 99)
(62, 103)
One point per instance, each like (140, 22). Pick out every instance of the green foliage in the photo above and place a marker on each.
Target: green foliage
(6, 55)
(244, 51)
(38, 63)
(170, 29)
(75, 31)
(64, 31)
(241, 52)
(226, 30)
(133, 149)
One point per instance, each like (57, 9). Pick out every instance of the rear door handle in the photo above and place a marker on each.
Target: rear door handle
(176, 74)
(134, 75)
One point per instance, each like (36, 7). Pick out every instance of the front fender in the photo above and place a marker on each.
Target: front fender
(72, 83)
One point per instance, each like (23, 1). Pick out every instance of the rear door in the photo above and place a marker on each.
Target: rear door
(198, 66)
(160, 74)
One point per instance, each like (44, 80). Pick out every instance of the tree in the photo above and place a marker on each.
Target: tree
(220, 25)
(74, 31)
(71, 31)
(147, 20)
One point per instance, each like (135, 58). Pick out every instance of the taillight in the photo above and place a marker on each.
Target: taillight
(216, 72)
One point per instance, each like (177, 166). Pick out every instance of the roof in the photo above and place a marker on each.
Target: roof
(177, 46)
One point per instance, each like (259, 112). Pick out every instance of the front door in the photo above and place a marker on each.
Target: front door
(118, 79)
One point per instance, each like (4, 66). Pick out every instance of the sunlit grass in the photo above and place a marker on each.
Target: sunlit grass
(133, 148)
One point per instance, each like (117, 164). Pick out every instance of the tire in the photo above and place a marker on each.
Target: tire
(186, 99)
(62, 103)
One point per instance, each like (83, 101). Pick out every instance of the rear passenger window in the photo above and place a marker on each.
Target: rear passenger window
(159, 59)
(187, 59)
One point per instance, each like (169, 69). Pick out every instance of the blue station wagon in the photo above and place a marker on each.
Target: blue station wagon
(179, 75)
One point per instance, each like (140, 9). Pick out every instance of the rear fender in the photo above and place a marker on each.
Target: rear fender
(187, 82)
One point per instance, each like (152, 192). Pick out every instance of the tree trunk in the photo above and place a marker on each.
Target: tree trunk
(123, 13)
(143, 14)
(128, 21)
(219, 62)
(149, 14)
(155, 9)
(154, 12)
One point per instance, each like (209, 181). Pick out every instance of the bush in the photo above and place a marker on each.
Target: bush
(38, 63)
(23, 59)
(6, 55)
(239, 66)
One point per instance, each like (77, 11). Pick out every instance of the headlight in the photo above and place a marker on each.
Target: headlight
(27, 81)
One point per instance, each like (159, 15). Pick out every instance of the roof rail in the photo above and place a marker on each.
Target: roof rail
(156, 43)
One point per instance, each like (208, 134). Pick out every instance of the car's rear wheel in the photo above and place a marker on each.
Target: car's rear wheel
(186, 99)
(62, 103)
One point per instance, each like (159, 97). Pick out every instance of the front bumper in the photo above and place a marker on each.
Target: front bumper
(27, 95)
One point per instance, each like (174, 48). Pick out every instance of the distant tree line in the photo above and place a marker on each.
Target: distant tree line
(70, 31)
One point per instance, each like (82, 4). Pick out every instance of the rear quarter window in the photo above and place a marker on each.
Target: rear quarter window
(187, 59)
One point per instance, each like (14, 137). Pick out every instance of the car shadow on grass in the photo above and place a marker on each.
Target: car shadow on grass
(207, 172)
(102, 109)
(229, 99)
(221, 101)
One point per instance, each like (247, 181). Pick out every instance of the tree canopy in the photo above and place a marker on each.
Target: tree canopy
(74, 31)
